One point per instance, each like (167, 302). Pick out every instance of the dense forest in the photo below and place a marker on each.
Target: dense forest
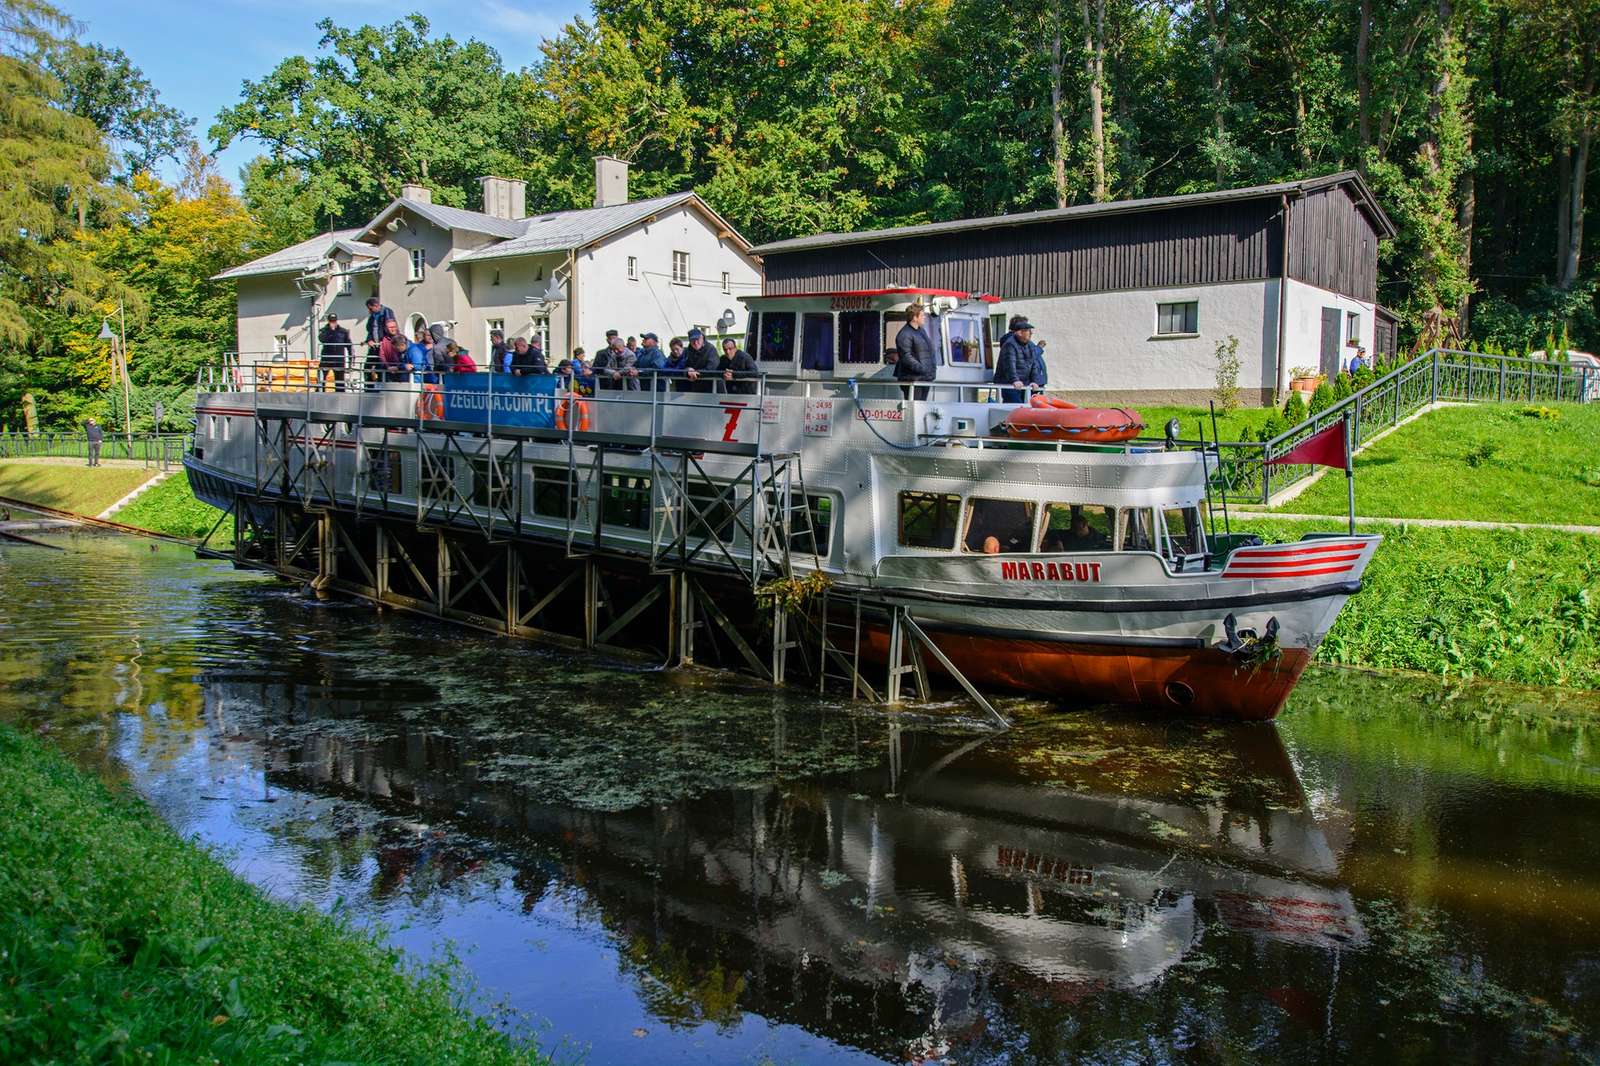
(1473, 120)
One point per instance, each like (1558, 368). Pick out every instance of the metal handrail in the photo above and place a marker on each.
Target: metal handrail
(153, 449)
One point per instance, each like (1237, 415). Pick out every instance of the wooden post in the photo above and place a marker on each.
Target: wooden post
(441, 584)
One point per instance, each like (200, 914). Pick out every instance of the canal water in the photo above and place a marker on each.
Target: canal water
(689, 868)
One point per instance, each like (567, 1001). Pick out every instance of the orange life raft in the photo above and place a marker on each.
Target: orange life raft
(1047, 418)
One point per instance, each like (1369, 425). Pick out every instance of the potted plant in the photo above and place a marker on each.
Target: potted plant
(1304, 379)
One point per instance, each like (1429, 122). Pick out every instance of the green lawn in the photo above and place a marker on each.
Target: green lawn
(171, 508)
(1242, 423)
(123, 943)
(1508, 605)
(1489, 462)
(70, 486)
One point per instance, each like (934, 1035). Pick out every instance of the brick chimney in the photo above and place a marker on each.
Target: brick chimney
(505, 198)
(418, 193)
(610, 181)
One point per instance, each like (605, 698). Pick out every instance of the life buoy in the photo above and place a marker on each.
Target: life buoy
(583, 414)
(1048, 418)
(430, 405)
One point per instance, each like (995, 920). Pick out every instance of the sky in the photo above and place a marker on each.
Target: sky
(199, 54)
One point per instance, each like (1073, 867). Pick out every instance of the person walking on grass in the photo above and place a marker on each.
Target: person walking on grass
(96, 436)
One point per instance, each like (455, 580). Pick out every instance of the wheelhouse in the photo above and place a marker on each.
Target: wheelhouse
(847, 334)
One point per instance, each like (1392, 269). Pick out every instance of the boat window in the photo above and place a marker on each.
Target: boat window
(625, 501)
(1138, 530)
(716, 511)
(438, 476)
(1184, 535)
(550, 499)
(816, 342)
(776, 339)
(753, 327)
(384, 470)
(859, 337)
(821, 508)
(491, 487)
(1078, 527)
(965, 339)
(928, 519)
(988, 341)
(999, 526)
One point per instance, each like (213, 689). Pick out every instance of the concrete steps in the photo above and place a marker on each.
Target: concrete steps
(130, 497)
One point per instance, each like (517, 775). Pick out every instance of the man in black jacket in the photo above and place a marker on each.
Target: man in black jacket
(737, 368)
(378, 317)
(916, 360)
(334, 341)
(698, 361)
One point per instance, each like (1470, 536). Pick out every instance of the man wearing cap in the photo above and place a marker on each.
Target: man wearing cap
(377, 316)
(614, 367)
(1021, 363)
(334, 341)
(915, 359)
(648, 363)
(699, 361)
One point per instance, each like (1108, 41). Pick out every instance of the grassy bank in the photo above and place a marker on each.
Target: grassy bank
(1489, 462)
(70, 486)
(1242, 423)
(1508, 605)
(122, 943)
(171, 508)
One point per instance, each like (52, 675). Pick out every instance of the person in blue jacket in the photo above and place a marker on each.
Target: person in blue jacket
(648, 361)
(1021, 363)
(417, 355)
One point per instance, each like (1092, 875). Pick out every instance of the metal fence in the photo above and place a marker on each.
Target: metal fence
(163, 450)
(1438, 374)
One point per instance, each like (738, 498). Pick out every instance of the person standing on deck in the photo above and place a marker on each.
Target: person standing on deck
(647, 362)
(527, 358)
(392, 352)
(417, 356)
(698, 360)
(499, 352)
(96, 437)
(334, 340)
(377, 315)
(915, 361)
(615, 367)
(1021, 363)
(737, 368)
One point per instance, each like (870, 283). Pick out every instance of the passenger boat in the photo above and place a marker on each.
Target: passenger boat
(1082, 572)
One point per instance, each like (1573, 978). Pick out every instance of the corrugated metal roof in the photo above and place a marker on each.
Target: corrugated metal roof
(1363, 195)
(295, 258)
(558, 231)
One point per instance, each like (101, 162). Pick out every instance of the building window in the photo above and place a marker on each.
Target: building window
(929, 519)
(419, 263)
(496, 277)
(1352, 328)
(347, 283)
(280, 346)
(727, 282)
(680, 268)
(1175, 320)
(541, 330)
(633, 267)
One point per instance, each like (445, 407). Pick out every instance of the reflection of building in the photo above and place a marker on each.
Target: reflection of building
(897, 907)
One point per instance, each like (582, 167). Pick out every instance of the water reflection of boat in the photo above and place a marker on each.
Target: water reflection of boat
(948, 872)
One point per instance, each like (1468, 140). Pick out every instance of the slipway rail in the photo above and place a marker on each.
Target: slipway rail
(1438, 375)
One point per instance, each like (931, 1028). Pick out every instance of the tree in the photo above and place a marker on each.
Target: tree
(383, 106)
(104, 86)
(53, 158)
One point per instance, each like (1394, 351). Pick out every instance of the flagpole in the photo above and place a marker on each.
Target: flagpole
(1349, 472)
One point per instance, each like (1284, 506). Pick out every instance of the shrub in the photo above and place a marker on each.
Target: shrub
(1362, 378)
(1227, 391)
(1294, 410)
(1322, 399)
(1341, 386)
(1274, 425)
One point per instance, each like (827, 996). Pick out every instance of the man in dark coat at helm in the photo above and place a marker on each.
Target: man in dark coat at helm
(916, 359)
(1021, 363)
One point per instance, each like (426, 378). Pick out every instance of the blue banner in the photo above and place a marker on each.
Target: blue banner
(519, 402)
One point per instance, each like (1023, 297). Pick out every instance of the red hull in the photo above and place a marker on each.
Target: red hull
(1204, 682)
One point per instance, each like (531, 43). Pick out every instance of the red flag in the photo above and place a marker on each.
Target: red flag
(1326, 447)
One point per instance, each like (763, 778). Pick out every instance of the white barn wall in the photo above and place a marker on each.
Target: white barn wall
(608, 300)
(1303, 326)
(1102, 346)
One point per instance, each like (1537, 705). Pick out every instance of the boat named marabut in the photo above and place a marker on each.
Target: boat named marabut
(1071, 561)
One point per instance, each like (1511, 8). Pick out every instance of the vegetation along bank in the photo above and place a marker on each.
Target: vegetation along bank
(136, 946)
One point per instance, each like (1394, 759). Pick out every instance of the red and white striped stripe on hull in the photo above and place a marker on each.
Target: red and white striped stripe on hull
(1297, 560)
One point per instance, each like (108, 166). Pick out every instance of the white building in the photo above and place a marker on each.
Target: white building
(1133, 297)
(667, 264)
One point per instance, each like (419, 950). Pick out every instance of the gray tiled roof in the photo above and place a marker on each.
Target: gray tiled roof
(1113, 207)
(460, 218)
(558, 231)
(295, 258)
